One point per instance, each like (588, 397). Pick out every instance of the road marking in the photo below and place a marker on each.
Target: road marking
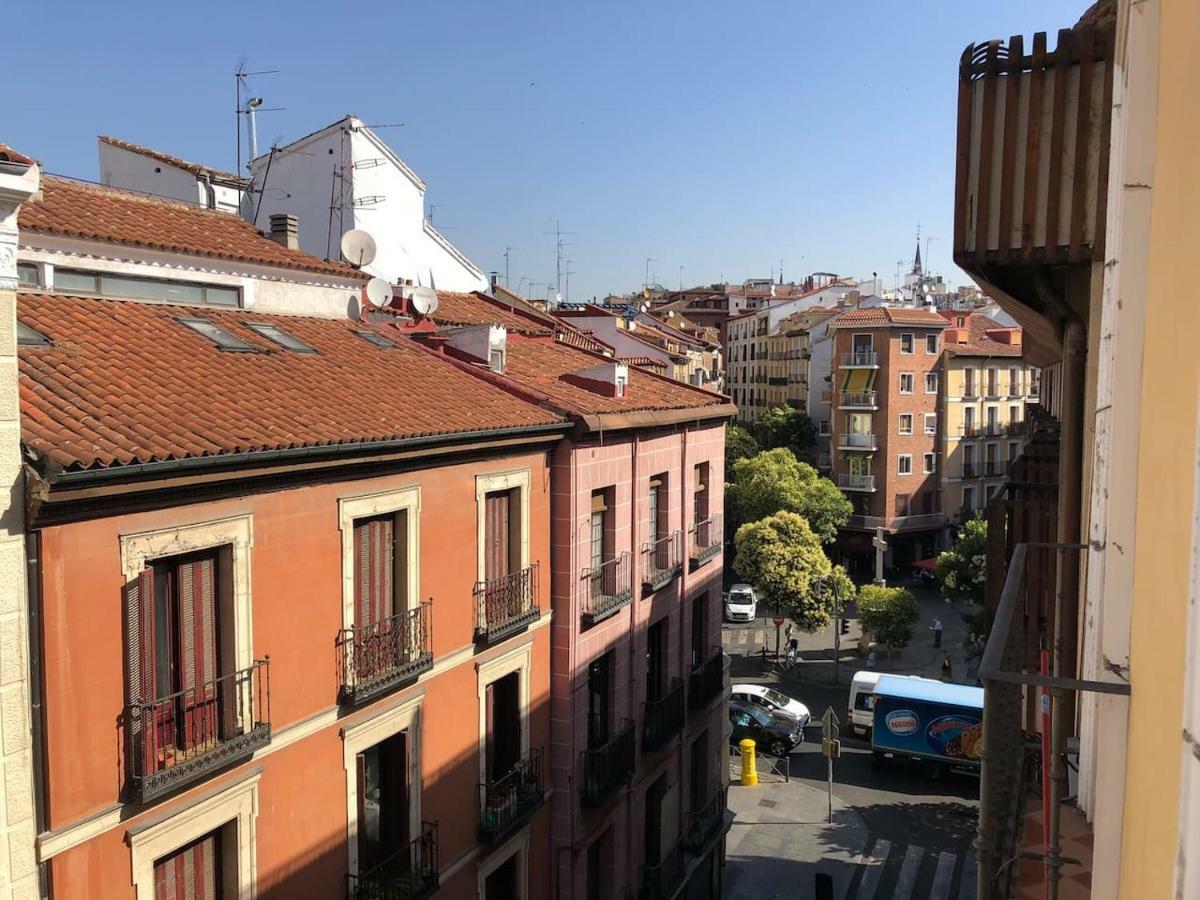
(943, 876)
(873, 863)
(908, 872)
(726, 638)
(742, 637)
(966, 881)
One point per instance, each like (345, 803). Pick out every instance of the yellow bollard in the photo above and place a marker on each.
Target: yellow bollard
(749, 769)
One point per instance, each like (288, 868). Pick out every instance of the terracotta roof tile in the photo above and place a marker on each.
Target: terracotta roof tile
(978, 342)
(74, 209)
(456, 308)
(192, 167)
(888, 315)
(124, 383)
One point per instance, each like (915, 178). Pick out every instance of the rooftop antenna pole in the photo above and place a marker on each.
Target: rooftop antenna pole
(507, 253)
(681, 278)
(559, 246)
(925, 261)
(647, 282)
(239, 78)
(899, 263)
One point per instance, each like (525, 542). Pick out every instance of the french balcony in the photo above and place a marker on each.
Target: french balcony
(969, 470)
(385, 655)
(995, 468)
(776, 381)
(606, 588)
(409, 874)
(860, 359)
(1016, 429)
(509, 802)
(183, 737)
(661, 880)
(662, 561)
(851, 482)
(970, 392)
(506, 605)
(663, 718)
(607, 768)
(704, 825)
(706, 681)
(705, 540)
(992, 392)
(856, 442)
(858, 400)
(972, 430)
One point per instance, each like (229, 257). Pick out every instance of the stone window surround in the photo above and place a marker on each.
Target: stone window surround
(236, 805)
(406, 499)
(405, 716)
(500, 481)
(519, 660)
(518, 845)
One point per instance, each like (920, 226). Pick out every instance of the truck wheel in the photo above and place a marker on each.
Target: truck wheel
(869, 734)
(934, 771)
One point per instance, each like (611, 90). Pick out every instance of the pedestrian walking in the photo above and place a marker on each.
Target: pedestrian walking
(871, 660)
(936, 628)
(947, 672)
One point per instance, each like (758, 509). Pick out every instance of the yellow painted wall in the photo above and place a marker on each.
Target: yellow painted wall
(1166, 467)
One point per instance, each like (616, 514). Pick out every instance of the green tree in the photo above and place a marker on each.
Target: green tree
(782, 426)
(962, 570)
(888, 614)
(783, 558)
(739, 444)
(776, 481)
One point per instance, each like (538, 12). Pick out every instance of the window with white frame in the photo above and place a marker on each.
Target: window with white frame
(931, 382)
(931, 423)
(906, 382)
(931, 344)
(906, 423)
(904, 464)
(968, 496)
(906, 343)
(930, 460)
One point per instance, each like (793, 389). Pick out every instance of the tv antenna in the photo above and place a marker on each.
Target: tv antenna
(559, 245)
(507, 253)
(240, 109)
(649, 280)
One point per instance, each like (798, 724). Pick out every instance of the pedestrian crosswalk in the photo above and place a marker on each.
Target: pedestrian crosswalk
(911, 872)
(745, 640)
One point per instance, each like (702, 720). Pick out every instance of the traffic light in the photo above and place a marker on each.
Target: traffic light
(844, 625)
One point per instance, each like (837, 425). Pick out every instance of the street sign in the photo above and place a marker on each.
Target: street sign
(831, 747)
(829, 724)
(778, 620)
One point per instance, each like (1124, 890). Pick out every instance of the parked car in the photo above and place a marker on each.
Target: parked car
(771, 700)
(741, 604)
(777, 734)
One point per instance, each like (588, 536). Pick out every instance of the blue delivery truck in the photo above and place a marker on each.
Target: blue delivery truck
(936, 724)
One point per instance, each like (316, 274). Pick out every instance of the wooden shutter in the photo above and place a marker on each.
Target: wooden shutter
(489, 757)
(374, 570)
(497, 553)
(192, 873)
(139, 628)
(196, 602)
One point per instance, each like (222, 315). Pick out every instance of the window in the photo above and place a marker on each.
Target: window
(993, 382)
(501, 533)
(279, 336)
(193, 872)
(380, 579)
(502, 753)
(601, 536)
(377, 339)
(383, 800)
(906, 382)
(699, 630)
(823, 427)
(659, 507)
(906, 343)
(1014, 450)
(931, 344)
(930, 463)
(902, 504)
(656, 660)
(1014, 413)
(931, 423)
(656, 834)
(969, 421)
(599, 700)
(1015, 388)
(906, 423)
(992, 414)
(28, 275)
(132, 288)
(219, 336)
(496, 364)
(969, 389)
(992, 490)
(904, 461)
(700, 492)
(27, 337)
(931, 382)
(968, 495)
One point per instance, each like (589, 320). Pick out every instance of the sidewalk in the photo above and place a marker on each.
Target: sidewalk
(780, 839)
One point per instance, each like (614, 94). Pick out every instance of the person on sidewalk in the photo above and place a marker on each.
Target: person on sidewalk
(871, 660)
(947, 672)
(936, 628)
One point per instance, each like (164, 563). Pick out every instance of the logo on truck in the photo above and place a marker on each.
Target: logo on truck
(902, 721)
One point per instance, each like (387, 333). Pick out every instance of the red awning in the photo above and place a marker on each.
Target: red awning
(929, 565)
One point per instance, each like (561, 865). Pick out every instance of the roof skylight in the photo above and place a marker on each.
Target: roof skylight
(279, 336)
(377, 339)
(219, 336)
(27, 337)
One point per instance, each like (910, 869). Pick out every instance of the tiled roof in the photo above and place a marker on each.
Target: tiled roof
(644, 361)
(978, 342)
(888, 315)
(472, 309)
(192, 167)
(8, 154)
(74, 209)
(125, 383)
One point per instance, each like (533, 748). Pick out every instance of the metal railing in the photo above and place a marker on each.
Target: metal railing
(508, 803)
(180, 738)
(704, 824)
(705, 539)
(662, 718)
(994, 468)
(969, 470)
(506, 605)
(660, 881)
(380, 657)
(411, 873)
(662, 561)
(606, 588)
(858, 399)
(897, 523)
(857, 441)
(706, 681)
(852, 482)
(607, 768)
(865, 358)
(971, 430)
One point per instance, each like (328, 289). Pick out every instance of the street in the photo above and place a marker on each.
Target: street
(917, 833)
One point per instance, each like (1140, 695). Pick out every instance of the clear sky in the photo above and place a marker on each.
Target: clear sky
(717, 136)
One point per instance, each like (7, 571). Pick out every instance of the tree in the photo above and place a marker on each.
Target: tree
(888, 614)
(962, 570)
(782, 426)
(776, 481)
(783, 558)
(739, 444)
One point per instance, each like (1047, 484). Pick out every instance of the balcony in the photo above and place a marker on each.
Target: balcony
(705, 540)
(507, 804)
(662, 719)
(660, 881)
(776, 381)
(860, 359)
(995, 468)
(858, 400)
(856, 442)
(409, 874)
(381, 657)
(898, 523)
(970, 392)
(969, 470)
(181, 738)
(707, 681)
(506, 605)
(606, 588)
(850, 482)
(704, 825)
(662, 561)
(972, 430)
(607, 768)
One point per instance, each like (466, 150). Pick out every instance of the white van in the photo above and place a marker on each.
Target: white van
(861, 714)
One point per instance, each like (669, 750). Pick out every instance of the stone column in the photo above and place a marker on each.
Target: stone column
(18, 866)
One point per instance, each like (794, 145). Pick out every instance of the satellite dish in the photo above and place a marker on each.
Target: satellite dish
(358, 247)
(424, 301)
(379, 291)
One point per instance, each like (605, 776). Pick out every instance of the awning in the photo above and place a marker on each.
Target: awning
(929, 565)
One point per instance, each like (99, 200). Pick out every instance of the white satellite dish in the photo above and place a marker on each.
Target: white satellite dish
(379, 291)
(424, 301)
(358, 247)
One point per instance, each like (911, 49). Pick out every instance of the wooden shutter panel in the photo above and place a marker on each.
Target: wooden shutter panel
(139, 625)
(490, 740)
(192, 873)
(197, 605)
(496, 535)
(374, 543)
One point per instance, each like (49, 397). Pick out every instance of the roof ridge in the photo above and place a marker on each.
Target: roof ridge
(170, 159)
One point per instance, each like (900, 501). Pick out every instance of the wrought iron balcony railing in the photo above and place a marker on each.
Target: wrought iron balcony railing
(377, 658)
(509, 802)
(858, 400)
(179, 739)
(857, 441)
(706, 681)
(607, 768)
(506, 605)
(606, 588)
(663, 717)
(705, 540)
(662, 561)
(659, 881)
(409, 874)
(705, 824)
(852, 482)
(860, 359)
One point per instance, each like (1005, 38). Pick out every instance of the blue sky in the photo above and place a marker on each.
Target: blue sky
(721, 137)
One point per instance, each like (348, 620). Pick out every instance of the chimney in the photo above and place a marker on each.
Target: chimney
(853, 299)
(285, 230)
(493, 281)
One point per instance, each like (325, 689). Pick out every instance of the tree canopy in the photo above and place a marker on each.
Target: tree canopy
(775, 481)
(888, 613)
(782, 426)
(962, 570)
(739, 444)
(782, 557)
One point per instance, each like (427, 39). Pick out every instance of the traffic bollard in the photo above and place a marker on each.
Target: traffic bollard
(749, 769)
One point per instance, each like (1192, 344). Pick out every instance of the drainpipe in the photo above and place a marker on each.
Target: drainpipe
(33, 593)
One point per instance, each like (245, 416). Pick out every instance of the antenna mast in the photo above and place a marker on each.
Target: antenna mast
(507, 253)
(239, 78)
(559, 245)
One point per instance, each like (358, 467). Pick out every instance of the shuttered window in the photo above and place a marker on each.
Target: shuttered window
(191, 873)
(501, 533)
(380, 583)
